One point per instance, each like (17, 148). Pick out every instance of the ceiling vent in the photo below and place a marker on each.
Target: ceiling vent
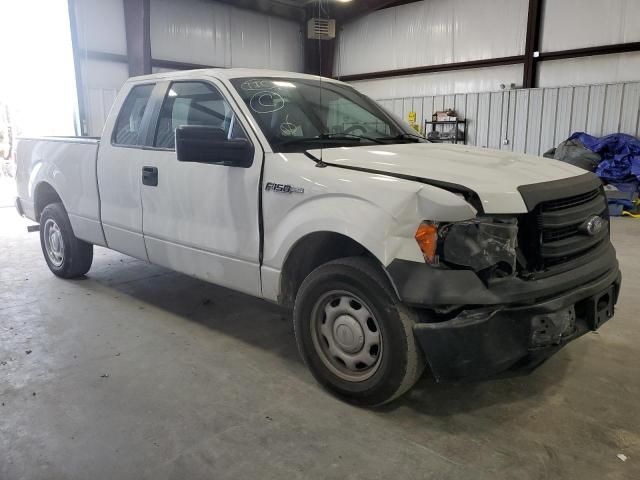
(321, 29)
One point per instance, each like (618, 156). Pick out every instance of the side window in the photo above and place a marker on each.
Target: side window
(130, 118)
(194, 103)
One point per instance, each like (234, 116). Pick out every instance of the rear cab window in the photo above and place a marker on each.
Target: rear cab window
(127, 129)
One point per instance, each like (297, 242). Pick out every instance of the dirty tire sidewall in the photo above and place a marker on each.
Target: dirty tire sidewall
(78, 255)
(401, 363)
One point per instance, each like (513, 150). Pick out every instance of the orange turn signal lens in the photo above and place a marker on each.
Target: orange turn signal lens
(427, 238)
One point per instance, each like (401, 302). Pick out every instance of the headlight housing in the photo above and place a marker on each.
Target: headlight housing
(483, 244)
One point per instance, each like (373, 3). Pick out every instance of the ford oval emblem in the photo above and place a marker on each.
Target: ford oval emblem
(593, 225)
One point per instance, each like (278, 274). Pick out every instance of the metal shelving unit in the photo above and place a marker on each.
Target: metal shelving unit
(458, 132)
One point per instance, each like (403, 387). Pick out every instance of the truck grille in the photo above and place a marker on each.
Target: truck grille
(554, 233)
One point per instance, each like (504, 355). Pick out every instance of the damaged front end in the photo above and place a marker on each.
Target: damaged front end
(487, 341)
(481, 316)
(487, 246)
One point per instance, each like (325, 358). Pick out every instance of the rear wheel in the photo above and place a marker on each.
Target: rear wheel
(354, 334)
(66, 255)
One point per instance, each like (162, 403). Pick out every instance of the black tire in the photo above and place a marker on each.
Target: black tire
(76, 254)
(401, 362)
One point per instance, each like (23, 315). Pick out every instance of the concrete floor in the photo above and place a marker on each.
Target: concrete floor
(137, 372)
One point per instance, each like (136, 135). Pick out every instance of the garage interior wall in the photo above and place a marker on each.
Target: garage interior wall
(190, 31)
(437, 32)
(218, 34)
(433, 32)
(533, 120)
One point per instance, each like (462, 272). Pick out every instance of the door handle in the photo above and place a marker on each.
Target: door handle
(150, 176)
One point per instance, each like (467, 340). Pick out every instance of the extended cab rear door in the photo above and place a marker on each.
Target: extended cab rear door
(120, 157)
(201, 218)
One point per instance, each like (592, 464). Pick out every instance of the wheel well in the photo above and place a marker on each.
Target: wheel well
(43, 196)
(310, 252)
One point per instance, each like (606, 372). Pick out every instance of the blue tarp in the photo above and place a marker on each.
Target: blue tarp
(620, 156)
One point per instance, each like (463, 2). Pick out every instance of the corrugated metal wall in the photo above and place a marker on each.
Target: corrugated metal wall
(533, 120)
(432, 32)
(214, 33)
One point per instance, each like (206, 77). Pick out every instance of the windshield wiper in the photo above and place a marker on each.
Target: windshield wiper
(404, 136)
(329, 136)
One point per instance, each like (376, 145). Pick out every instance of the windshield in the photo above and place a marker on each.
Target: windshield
(300, 114)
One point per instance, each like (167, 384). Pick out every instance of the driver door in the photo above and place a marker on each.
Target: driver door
(201, 219)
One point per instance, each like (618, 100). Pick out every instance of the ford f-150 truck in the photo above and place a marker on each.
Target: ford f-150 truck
(394, 253)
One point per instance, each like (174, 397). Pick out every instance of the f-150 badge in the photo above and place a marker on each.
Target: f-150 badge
(279, 187)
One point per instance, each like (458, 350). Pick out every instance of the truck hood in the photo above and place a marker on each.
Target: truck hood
(494, 175)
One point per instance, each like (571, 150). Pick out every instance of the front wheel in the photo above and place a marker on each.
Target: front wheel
(66, 255)
(354, 334)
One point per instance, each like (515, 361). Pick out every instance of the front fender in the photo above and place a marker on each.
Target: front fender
(356, 218)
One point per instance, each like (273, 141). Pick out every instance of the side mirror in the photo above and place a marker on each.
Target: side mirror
(196, 143)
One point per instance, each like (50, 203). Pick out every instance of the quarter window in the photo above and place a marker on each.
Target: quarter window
(194, 103)
(129, 121)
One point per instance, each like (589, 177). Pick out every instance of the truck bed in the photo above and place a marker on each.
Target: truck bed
(68, 165)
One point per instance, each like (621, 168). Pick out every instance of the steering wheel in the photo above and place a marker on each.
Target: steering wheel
(354, 128)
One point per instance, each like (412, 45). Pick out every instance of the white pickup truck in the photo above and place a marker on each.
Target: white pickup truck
(394, 253)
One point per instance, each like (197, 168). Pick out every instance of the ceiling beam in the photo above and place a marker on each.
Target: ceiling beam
(358, 8)
(289, 9)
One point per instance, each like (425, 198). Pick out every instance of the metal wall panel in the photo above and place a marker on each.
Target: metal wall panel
(595, 113)
(101, 82)
(482, 124)
(407, 106)
(506, 121)
(616, 68)
(549, 116)
(520, 121)
(472, 117)
(534, 120)
(432, 32)
(427, 109)
(191, 31)
(511, 118)
(219, 34)
(100, 26)
(495, 118)
(568, 24)
(398, 105)
(629, 114)
(612, 108)
(460, 104)
(373, 33)
(418, 108)
(563, 115)
(579, 109)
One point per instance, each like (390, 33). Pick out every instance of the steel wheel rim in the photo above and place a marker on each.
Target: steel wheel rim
(346, 336)
(53, 243)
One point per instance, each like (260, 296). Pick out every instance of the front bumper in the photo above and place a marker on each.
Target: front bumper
(502, 329)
